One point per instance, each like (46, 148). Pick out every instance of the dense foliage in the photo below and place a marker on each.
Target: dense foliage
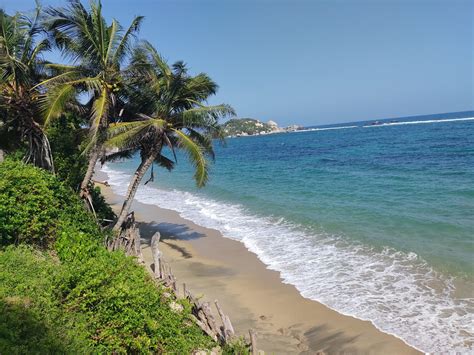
(61, 290)
(21, 69)
(35, 208)
(78, 295)
(67, 137)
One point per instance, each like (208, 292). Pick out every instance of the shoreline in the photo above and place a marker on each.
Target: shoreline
(255, 297)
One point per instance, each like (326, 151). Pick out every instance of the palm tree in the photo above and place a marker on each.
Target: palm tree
(21, 69)
(173, 115)
(97, 51)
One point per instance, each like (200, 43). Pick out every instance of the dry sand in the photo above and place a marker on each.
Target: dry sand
(215, 267)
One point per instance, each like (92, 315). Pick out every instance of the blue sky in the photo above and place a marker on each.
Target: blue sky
(316, 62)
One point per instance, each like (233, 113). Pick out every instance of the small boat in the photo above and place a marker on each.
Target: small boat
(376, 123)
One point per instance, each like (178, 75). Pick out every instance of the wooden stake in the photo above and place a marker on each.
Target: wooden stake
(206, 308)
(227, 325)
(253, 342)
(156, 254)
(204, 327)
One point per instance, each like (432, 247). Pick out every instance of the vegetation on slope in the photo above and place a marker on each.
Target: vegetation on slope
(75, 296)
(61, 290)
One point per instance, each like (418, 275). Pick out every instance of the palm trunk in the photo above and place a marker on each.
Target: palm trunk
(133, 187)
(39, 151)
(93, 158)
(84, 192)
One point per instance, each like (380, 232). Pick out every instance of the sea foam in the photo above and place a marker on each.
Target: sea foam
(398, 292)
(421, 122)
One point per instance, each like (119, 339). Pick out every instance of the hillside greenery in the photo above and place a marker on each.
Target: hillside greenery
(246, 126)
(70, 294)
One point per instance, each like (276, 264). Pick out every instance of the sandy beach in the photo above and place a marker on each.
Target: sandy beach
(214, 267)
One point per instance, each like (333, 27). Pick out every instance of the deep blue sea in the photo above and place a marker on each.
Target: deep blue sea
(375, 221)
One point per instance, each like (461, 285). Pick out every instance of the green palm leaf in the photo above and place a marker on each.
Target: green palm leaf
(196, 156)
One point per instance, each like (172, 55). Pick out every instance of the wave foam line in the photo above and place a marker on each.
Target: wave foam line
(420, 122)
(325, 129)
(398, 292)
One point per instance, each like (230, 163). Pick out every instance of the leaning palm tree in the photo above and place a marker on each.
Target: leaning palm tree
(97, 51)
(21, 69)
(173, 115)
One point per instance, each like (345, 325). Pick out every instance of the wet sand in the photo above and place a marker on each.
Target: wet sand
(214, 267)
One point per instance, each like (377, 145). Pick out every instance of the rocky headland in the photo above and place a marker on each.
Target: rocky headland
(239, 127)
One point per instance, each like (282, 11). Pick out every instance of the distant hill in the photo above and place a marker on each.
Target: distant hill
(237, 127)
(246, 127)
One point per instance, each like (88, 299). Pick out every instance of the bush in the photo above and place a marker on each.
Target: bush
(124, 308)
(31, 317)
(81, 295)
(35, 207)
(101, 207)
(65, 137)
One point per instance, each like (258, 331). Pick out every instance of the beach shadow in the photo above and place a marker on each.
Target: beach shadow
(319, 338)
(183, 251)
(168, 231)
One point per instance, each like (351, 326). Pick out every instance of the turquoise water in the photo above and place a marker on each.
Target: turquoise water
(374, 221)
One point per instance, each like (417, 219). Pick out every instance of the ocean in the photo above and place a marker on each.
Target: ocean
(374, 221)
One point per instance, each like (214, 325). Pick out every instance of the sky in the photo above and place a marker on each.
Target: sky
(313, 62)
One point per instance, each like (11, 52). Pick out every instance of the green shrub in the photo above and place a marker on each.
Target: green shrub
(101, 207)
(102, 305)
(84, 297)
(125, 309)
(65, 137)
(237, 347)
(35, 207)
(31, 316)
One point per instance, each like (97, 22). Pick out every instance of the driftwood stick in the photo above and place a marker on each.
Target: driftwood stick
(202, 317)
(253, 342)
(228, 330)
(193, 300)
(184, 290)
(168, 271)
(160, 268)
(206, 308)
(204, 327)
(174, 284)
(156, 254)
(138, 246)
(165, 270)
(137, 242)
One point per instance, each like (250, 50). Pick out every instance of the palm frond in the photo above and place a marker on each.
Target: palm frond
(205, 116)
(115, 129)
(100, 109)
(117, 155)
(129, 137)
(124, 46)
(165, 162)
(196, 157)
(204, 140)
(53, 103)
